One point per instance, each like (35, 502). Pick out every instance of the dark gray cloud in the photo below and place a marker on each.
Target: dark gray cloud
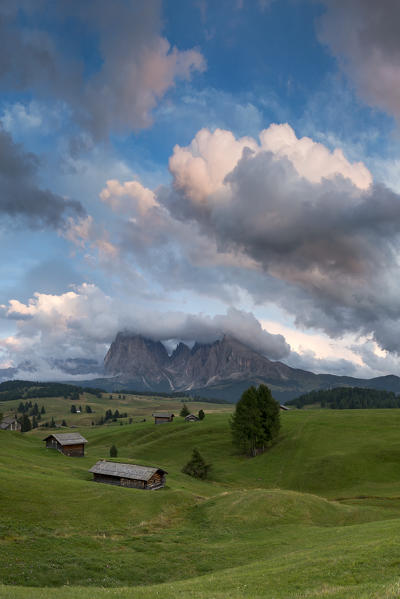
(114, 90)
(20, 195)
(363, 35)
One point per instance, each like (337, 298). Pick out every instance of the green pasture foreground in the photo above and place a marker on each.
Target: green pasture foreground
(318, 515)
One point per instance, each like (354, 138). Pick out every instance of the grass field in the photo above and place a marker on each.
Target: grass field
(318, 515)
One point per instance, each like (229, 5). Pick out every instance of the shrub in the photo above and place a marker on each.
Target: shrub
(196, 466)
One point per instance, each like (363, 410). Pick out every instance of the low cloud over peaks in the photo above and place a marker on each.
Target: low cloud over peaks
(70, 327)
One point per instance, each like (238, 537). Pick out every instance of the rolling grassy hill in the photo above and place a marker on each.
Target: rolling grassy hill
(318, 515)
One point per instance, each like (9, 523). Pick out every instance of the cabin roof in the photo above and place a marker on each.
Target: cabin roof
(67, 438)
(191, 417)
(6, 421)
(132, 471)
(163, 414)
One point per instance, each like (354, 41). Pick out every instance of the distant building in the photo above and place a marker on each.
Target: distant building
(128, 475)
(191, 418)
(161, 417)
(70, 444)
(282, 407)
(10, 423)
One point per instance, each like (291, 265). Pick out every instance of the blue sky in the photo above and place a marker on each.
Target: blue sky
(185, 169)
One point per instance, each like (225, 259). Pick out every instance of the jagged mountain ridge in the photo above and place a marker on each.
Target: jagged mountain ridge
(135, 357)
(221, 369)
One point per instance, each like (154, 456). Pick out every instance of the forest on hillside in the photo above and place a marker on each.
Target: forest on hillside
(11, 390)
(348, 398)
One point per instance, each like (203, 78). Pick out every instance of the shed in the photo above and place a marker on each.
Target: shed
(70, 444)
(282, 407)
(10, 423)
(128, 475)
(161, 417)
(191, 418)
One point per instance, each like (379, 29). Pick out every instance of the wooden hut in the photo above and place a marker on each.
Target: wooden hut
(10, 423)
(70, 444)
(191, 418)
(161, 417)
(128, 475)
(284, 408)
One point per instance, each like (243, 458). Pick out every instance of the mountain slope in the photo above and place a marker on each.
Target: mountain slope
(223, 369)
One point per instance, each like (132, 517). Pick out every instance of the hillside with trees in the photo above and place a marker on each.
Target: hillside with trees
(348, 398)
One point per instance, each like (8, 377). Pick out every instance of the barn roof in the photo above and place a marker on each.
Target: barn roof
(163, 414)
(191, 417)
(67, 438)
(131, 471)
(7, 421)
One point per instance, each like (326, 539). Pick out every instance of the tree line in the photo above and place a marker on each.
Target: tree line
(348, 398)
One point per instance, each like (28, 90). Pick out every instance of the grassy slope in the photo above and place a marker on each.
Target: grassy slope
(266, 527)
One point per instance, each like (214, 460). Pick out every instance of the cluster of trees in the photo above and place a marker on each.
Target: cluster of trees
(110, 415)
(256, 422)
(31, 410)
(74, 409)
(255, 426)
(348, 398)
(12, 390)
(185, 412)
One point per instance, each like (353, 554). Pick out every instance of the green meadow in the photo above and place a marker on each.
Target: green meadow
(318, 515)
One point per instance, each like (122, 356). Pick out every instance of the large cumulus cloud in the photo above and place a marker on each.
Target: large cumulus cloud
(113, 90)
(283, 218)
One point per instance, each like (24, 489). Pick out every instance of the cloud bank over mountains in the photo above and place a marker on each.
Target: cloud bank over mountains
(55, 330)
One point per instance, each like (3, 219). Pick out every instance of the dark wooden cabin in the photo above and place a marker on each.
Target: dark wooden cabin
(284, 408)
(191, 418)
(10, 423)
(128, 475)
(161, 417)
(70, 444)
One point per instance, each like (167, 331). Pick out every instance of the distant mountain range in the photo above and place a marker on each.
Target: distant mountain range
(223, 369)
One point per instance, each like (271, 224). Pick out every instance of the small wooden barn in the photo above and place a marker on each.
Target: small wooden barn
(161, 417)
(70, 444)
(10, 423)
(191, 418)
(128, 475)
(284, 408)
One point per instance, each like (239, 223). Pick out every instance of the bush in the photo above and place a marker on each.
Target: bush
(196, 466)
(113, 451)
(201, 415)
(184, 411)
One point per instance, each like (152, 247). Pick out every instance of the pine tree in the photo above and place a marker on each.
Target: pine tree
(113, 451)
(256, 421)
(184, 411)
(43, 411)
(52, 423)
(196, 466)
(201, 414)
(88, 409)
(25, 424)
(73, 409)
(34, 422)
(64, 423)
